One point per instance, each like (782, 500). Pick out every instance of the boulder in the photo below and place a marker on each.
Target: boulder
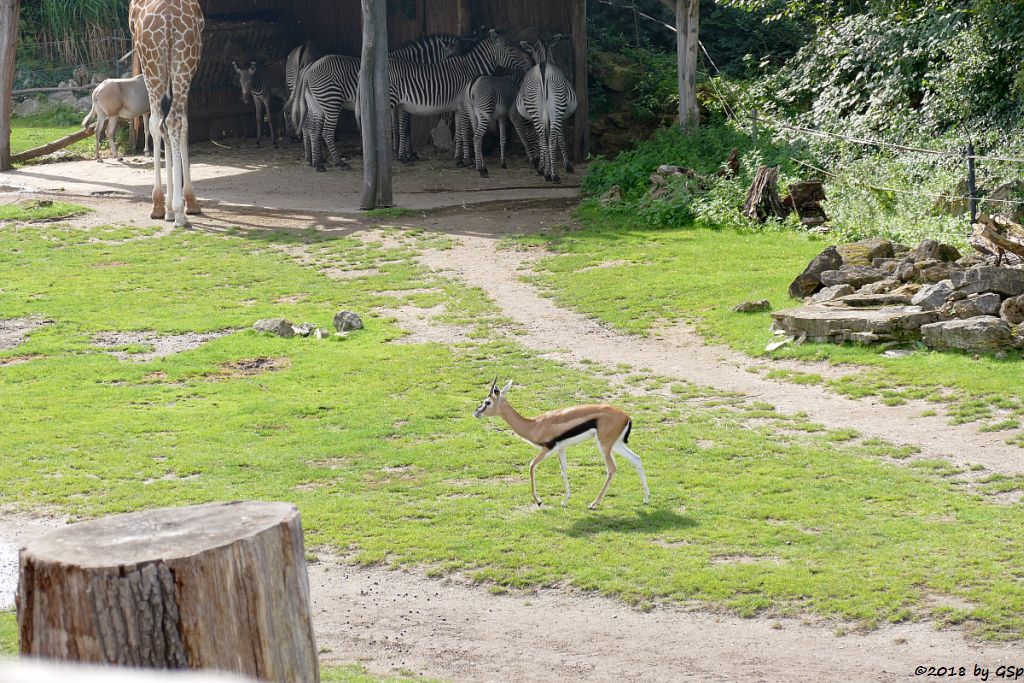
(279, 326)
(831, 293)
(305, 329)
(862, 300)
(856, 276)
(907, 271)
(753, 306)
(839, 324)
(933, 297)
(881, 287)
(974, 306)
(809, 281)
(1005, 281)
(83, 104)
(981, 333)
(29, 107)
(888, 265)
(934, 270)
(346, 321)
(615, 71)
(862, 253)
(1012, 310)
(934, 250)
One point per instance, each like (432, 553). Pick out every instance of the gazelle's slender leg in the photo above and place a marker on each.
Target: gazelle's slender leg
(544, 452)
(609, 463)
(624, 450)
(565, 475)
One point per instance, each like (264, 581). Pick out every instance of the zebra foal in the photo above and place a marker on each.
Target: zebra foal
(547, 99)
(262, 85)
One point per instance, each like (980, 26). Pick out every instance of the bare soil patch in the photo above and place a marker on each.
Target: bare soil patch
(14, 331)
(250, 367)
(422, 327)
(153, 345)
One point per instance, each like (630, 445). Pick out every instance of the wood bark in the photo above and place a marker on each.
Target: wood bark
(9, 12)
(219, 586)
(687, 46)
(1000, 237)
(806, 197)
(581, 121)
(763, 201)
(54, 146)
(41, 91)
(375, 107)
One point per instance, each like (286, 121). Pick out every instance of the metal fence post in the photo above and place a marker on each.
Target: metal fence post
(972, 183)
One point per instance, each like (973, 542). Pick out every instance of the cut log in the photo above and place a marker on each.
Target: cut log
(763, 201)
(806, 197)
(1000, 237)
(220, 586)
(54, 146)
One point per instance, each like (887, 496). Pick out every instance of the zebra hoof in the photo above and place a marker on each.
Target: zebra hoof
(321, 169)
(460, 163)
(556, 180)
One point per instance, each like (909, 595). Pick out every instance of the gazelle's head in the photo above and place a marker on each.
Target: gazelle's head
(492, 404)
(245, 75)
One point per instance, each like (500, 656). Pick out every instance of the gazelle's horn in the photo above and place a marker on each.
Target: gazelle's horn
(494, 384)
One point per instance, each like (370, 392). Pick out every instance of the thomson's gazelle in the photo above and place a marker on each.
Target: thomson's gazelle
(556, 430)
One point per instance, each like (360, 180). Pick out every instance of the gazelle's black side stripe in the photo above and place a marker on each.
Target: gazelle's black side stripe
(571, 432)
(629, 428)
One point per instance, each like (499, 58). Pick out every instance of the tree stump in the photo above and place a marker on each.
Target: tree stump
(763, 201)
(806, 197)
(219, 586)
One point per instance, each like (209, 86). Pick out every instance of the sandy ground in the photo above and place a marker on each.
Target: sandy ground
(452, 629)
(246, 179)
(455, 630)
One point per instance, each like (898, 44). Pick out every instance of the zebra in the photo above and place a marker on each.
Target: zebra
(330, 84)
(428, 89)
(547, 99)
(298, 59)
(261, 85)
(485, 99)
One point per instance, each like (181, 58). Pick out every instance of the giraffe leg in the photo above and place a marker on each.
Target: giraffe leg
(178, 198)
(192, 207)
(544, 452)
(609, 463)
(159, 209)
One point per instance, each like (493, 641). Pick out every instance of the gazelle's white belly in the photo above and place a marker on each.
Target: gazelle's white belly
(579, 438)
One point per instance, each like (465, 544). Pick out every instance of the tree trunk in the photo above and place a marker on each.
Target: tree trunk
(375, 107)
(220, 586)
(54, 146)
(763, 200)
(687, 46)
(581, 122)
(9, 11)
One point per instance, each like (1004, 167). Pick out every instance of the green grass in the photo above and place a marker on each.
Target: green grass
(752, 511)
(696, 275)
(29, 132)
(8, 634)
(34, 210)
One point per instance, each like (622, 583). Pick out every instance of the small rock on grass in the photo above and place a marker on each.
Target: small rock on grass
(305, 329)
(278, 326)
(346, 321)
(753, 306)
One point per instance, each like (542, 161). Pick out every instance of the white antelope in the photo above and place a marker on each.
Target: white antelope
(556, 430)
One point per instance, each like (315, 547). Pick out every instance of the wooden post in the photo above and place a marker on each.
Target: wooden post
(972, 183)
(9, 13)
(375, 107)
(687, 45)
(581, 123)
(218, 586)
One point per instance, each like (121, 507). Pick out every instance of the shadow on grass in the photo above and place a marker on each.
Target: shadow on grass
(645, 521)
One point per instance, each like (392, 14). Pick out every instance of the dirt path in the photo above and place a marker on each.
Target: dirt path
(452, 629)
(677, 353)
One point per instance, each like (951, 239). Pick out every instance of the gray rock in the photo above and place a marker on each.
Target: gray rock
(981, 333)
(29, 107)
(346, 321)
(899, 249)
(974, 306)
(971, 260)
(862, 253)
(1012, 310)
(856, 276)
(989, 303)
(832, 293)
(809, 281)
(933, 297)
(887, 265)
(838, 324)
(753, 306)
(83, 104)
(933, 270)
(863, 300)
(279, 326)
(907, 271)
(881, 287)
(930, 250)
(305, 329)
(1005, 281)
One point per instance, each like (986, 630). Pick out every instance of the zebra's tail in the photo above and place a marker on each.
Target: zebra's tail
(299, 110)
